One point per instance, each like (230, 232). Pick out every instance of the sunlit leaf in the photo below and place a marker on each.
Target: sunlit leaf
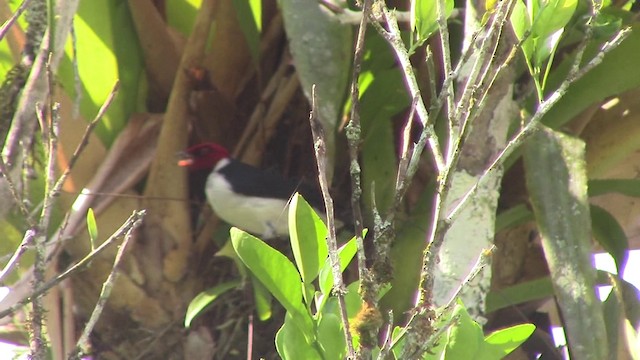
(308, 238)
(206, 298)
(92, 227)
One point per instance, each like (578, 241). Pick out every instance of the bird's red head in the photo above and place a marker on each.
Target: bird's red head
(203, 156)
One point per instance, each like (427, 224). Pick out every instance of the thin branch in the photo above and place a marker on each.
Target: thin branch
(545, 106)
(107, 286)
(393, 38)
(50, 138)
(454, 125)
(54, 190)
(132, 222)
(84, 141)
(481, 263)
(339, 288)
(354, 137)
(27, 241)
(7, 24)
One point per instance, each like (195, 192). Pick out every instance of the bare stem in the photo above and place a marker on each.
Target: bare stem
(339, 288)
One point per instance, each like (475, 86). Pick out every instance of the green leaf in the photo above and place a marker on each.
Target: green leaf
(345, 253)
(262, 297)
(610, 236)
(321, 47)
(629, 187)
(92, 227)
(206, 298)
(308, 235)
(275, 272)
(331, 336)
(424, 15)
(465, 338)
(500, 343)
(616, 74)
(292, 344)
(181, 14)
(520, 293)
(553, 16)
(250, 19)
(521, 23)
(557, 183)
(384, 98)
(107, 50)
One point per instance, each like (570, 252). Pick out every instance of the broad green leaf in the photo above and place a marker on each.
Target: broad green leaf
(629, 187)
(308, 238)
(557, 183)
(502, 342)
(107, 50)
(553, 16)
(331, 336)
(206, 298)
(521, 23)
(181, 14)
(629, 295)
(610, 235)
(275, 272)
(321, 47)
(424, 15)
(92, 227)
(397, 337)
(384, 98)
(465, 338)
(520, 293)
(345, 253)
(262, 297)
(250, 19)
(612, 308)
(293, 344)
(616, 74)
(623, 304)
(353, 300)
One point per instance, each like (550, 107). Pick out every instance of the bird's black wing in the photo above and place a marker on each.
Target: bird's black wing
(250, 181)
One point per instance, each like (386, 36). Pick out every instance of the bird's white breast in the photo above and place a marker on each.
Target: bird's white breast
(260, 216)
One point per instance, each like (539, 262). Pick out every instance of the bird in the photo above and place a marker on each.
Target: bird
(249, 198)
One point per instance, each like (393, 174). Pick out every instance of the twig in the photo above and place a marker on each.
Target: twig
(443, 28)
(393, 38)
(481, 263)
(36, 88)
(7, 24)
(545, 106)
(402, 178)
(50, 138)
(132, 222)
(353, 133)
(84, 141)
(339, 288)
(27, 241)
(107, 286)
(388, 335)
(54, 190)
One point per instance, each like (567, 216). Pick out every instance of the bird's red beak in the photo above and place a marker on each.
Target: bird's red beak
(185, 159)
(185, 162)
